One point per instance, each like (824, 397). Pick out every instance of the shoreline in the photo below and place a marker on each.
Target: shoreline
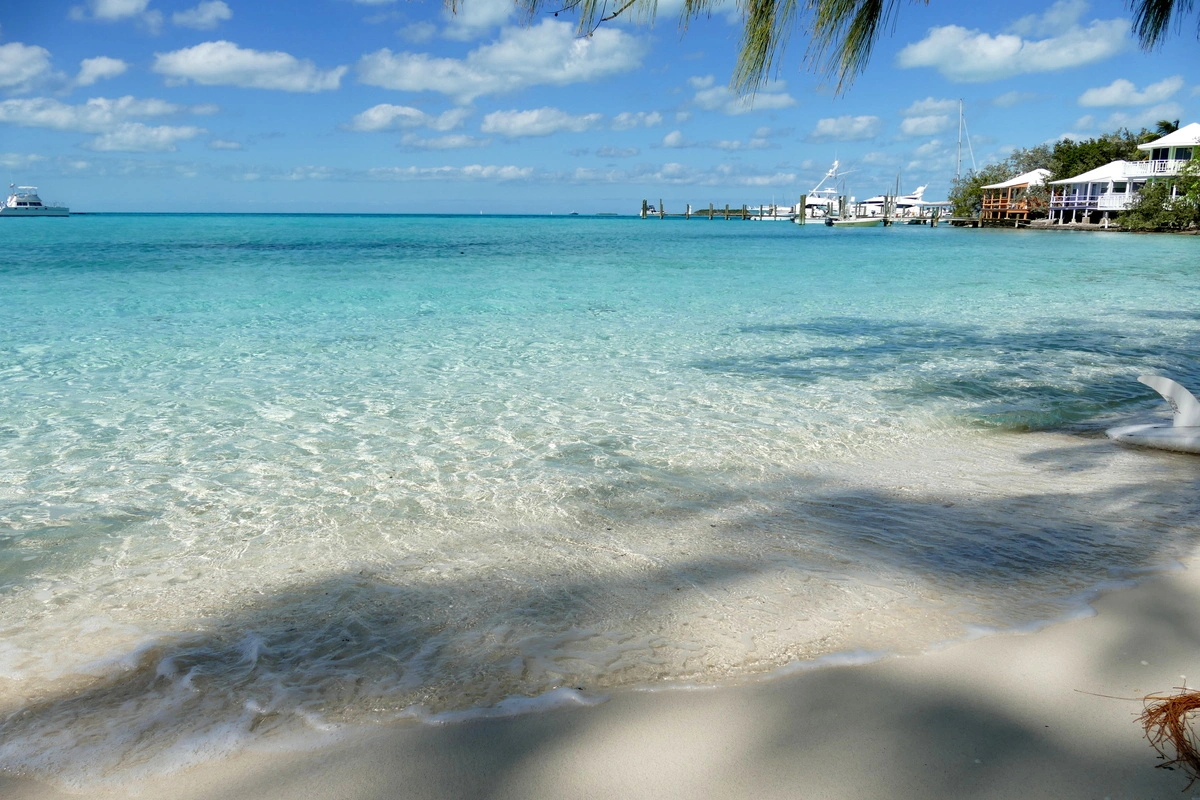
(1050, 712)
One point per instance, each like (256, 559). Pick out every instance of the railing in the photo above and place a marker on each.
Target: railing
(1116, 202)
(1101, 202)
(1168, 166)
(1004, 204)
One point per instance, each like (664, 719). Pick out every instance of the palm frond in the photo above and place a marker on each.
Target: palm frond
(1152, 19)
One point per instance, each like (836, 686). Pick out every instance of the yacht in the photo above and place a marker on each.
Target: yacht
(908, 205)
(23, 201)
(821, 203)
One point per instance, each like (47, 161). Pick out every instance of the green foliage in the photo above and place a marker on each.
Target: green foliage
(1065, 159)
(1027, 159)
(1167, 204)
(966, 193)
(1070, 158)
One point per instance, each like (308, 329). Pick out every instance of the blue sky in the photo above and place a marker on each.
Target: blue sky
(397, 106)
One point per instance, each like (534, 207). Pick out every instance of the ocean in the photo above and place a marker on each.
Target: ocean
(268, 479)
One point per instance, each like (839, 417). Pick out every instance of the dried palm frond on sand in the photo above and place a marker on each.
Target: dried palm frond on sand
(1168, 724)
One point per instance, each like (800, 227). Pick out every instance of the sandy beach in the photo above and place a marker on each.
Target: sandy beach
(1050, 713)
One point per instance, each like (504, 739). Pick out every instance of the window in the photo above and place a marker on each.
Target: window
(1159, 154)
(1183, 153)
(1119, 187)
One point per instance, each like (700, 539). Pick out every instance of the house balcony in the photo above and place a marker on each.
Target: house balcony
(1093, 202)
(1004, 208)
(1163, 167)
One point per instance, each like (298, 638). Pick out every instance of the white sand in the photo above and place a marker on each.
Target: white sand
(1007, 716)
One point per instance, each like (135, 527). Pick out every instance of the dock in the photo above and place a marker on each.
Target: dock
(779, 213)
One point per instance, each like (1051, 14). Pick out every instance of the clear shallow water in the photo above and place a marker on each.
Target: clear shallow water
(268, 475)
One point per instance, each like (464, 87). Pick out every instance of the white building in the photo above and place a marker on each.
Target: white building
(1010, 199)
(1094, 195)
(1169, 153)
(1107, 190)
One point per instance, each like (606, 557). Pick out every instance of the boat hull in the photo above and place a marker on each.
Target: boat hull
(855, 223)
(44, 211)
(1163, 437)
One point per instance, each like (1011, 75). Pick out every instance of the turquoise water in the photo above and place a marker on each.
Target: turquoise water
(262, 476)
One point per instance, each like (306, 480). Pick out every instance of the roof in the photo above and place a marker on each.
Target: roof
(1187, 135)
(1112, 171)
(1035, 178)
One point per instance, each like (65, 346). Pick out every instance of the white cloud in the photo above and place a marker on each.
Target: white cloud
(386, 116)
(474, 18)
(617, 152)
(1146, 118)
(846, 129)
(223, 63)
(737, 144)
(475, 172)
(19, 161)
(964, 55)
(98, 69)
(418, 32)
(1059, 18)
(537, 122)
(1014, 98)
(925, 126)
(1123, 93)
(135, 137)
(21, 64)
(629, 119)
(674, 139)
(545, 54)
(203, 17)
(721, 98)
(223, 144)
(928, 106)
(97, 115)
(877, 158)
(931, 148)
(933, 157)
(454, 141)
(116, 10)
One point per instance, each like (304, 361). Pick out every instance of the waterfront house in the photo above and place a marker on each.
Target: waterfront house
(1096, 194)
(1010, 200)
(1168, 153)
(1092, 196)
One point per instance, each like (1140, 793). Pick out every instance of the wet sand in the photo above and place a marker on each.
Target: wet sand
(1045, 714)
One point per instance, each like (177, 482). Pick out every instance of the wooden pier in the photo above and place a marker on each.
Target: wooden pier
(712, 212)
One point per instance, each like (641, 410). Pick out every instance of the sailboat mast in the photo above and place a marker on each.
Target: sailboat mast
(958, 156)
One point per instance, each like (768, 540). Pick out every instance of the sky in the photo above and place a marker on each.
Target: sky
(399, 106)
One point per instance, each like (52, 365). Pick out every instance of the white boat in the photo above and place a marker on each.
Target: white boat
(1182, 435)
(820, 203)
(23, 201)
(908, 205)
(855, 222)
